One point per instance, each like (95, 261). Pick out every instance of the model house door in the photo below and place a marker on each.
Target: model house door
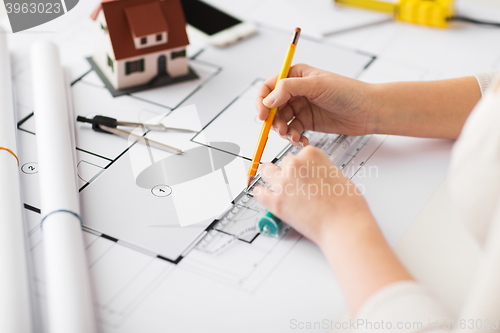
(162, 65)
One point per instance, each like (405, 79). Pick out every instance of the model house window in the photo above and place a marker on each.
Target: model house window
(179, 54)
(144, 40)
(134, 66)
(159, 37)
(110, 64)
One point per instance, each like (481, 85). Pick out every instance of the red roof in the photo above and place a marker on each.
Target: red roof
(127, 17)
(146, 19)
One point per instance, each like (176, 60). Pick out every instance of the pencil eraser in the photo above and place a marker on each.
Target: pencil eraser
(298, 30)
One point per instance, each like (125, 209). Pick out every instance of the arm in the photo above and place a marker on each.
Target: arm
(342, 225)
(339, 222)
(432, 109)
(362, 260)
(313, 99)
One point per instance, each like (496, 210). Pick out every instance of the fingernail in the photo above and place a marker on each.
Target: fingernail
(301, 143)
(269, 100)
(289, 137)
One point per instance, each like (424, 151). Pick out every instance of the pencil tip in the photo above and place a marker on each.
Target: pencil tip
(249, 180)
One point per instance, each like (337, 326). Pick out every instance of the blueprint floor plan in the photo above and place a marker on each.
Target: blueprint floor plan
(161, 257)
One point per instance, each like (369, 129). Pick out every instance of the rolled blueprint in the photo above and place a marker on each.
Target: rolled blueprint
(69, 298)
(15, 305)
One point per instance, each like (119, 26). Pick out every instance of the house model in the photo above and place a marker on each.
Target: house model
(140, 44)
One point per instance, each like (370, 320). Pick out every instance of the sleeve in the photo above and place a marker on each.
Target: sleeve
(485, 80)
(403, 307)
(409, 307)
(482, 305)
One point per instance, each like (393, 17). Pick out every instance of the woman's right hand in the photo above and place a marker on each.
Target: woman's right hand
(317, 100)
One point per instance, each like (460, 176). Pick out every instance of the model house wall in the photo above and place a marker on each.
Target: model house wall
(147, 67)
(103, 49)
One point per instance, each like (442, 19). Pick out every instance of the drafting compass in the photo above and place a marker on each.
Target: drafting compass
(110, 125)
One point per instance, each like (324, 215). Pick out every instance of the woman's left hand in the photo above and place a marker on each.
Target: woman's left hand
(310, 194)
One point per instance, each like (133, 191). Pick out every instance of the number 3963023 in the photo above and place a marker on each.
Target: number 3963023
(40, 7)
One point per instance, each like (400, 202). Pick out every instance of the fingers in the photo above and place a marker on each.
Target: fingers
(303, 141)
(280, 123)
(286, 89)
(294, 85)
(262, 92)
(302, 70)
(270, 97)
(311, 153)
(270, 173)
(294, 126)
(264, 196)
(295, 129)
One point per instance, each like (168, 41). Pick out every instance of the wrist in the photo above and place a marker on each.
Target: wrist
(347, 226)
(378, 109)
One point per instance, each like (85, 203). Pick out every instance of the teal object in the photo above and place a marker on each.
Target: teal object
(269, 224)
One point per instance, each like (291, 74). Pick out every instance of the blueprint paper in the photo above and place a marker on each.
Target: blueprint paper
(142, 284)
(146, 218)
(241, 111)
(199, 176)
(69, 295)
(15, 304)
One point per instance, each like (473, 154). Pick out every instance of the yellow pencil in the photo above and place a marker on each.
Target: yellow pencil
(264, 133)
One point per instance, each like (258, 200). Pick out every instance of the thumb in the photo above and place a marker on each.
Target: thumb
(286, 89)
(264, 196)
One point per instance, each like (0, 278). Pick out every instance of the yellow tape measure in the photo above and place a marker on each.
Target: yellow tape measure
(432, 13)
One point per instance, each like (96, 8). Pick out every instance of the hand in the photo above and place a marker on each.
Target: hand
(317, 100)
(311, 194)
